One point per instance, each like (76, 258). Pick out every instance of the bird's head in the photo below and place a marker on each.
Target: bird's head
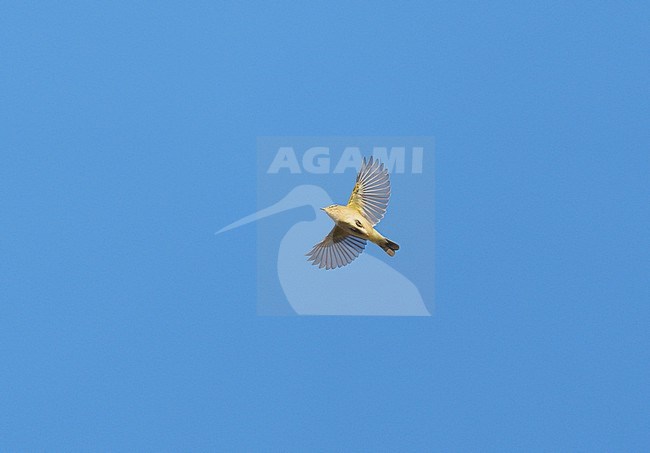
(332, 210)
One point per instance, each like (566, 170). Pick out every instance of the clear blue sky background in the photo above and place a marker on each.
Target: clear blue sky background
(127, 137)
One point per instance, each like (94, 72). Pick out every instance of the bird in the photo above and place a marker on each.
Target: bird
(307, 289)
(354, 223)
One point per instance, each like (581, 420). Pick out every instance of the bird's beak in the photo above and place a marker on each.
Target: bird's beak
(283, 205)
(274, 209)
(322, 209)
(299, 196)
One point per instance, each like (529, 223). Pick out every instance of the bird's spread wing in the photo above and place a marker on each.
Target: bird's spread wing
(336, 250)
(372, 191)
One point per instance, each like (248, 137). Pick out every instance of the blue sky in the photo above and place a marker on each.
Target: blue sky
(128, 137)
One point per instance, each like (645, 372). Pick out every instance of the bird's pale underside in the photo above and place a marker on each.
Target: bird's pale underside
(354, 223)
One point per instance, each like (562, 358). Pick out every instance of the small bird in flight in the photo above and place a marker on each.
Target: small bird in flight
(354, 223)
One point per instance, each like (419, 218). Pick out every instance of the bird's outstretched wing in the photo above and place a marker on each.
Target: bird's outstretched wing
(372, 191)
(336, 250)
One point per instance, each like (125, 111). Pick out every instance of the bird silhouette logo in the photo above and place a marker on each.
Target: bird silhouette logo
(371, 287)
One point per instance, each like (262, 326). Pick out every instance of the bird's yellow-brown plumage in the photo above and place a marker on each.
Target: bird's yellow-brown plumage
(354, 223)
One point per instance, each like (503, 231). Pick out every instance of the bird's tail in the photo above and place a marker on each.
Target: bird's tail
(389, 246)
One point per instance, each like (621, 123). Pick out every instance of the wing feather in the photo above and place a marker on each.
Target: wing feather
(337, 250)
(372, 191)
